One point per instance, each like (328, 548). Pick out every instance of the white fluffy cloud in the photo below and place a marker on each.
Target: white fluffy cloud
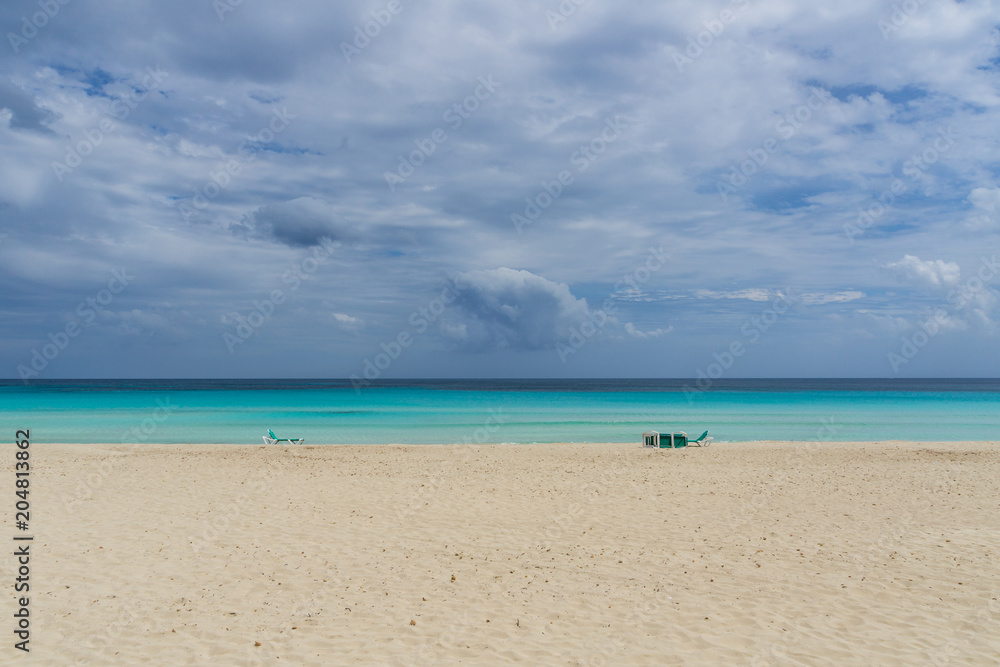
(960, 302)
(986, 199)
(937, 273)
(818, 299)
(632, 330)
(754, 294)
(985, 210)
(347, 321)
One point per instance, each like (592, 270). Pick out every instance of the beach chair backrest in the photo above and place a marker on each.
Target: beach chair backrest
(273, 436)
(702, 436)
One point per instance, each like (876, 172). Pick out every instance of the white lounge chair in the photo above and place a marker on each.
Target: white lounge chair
(273, 440)
(703, 440)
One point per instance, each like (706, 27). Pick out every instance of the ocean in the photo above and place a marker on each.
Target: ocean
(498, 411)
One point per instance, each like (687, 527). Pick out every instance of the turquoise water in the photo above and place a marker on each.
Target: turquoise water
(240, 411)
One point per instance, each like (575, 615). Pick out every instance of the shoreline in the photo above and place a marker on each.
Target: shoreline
(637, 443)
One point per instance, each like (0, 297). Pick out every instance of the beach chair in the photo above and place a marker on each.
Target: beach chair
(703, 440)
(673, 440)
(273, 440)
(656, 440)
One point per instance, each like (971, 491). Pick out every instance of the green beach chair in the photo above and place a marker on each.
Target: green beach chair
(677, 440)
(273, 440)
(657, 440)
(673, 440)
(703, 440)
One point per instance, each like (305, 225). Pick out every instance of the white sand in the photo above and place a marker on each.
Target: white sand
(737, 554)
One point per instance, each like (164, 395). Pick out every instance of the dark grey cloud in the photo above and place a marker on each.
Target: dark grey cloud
(300, 222)
(512, 309)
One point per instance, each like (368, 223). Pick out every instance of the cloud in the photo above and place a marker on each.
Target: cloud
(936, 274)
(136, 322)
(631, 330)
(300, 222)
(346, 321)
(986, 210)
(986, 199)
(960, 304)
(25, 114)
(886, 324)
(323, 176)
(975, 300)
(509, 309)
(819, 299)
(754, 294)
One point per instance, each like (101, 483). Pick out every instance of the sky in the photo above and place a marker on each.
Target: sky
(401, 188)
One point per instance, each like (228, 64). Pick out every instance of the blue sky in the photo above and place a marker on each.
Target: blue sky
(494, 189)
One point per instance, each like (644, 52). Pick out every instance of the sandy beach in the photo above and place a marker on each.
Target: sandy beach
(763, 553)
